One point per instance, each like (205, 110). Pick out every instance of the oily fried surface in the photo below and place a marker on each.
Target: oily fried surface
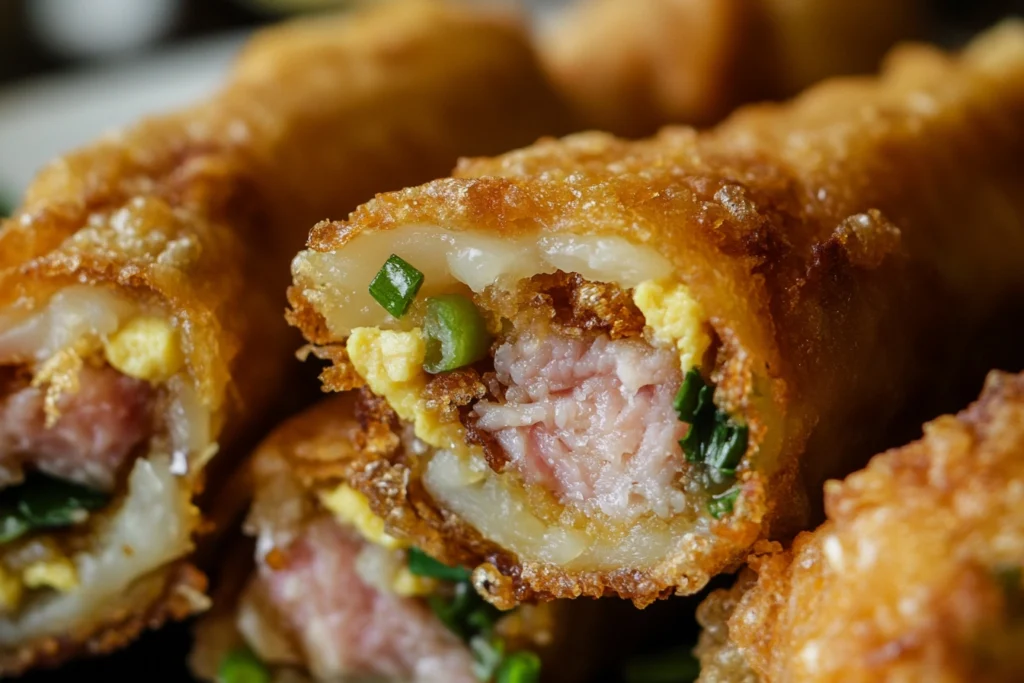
(844, 246)
(172, 593)
(200, 212)
(915, 576)
(630, 68)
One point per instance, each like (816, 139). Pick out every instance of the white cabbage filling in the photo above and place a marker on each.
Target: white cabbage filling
(501, 513)
(149, 529)
(335, 283)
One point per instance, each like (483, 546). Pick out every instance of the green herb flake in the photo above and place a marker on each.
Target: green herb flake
(465, 613)
(42, 502)
(721, 505)
(713, 438)
(421, 564)
(472, 619)
(242, 666)
(693, 395)
(395, 285)
(673, 666)
(488, 654)
(456, 333)
(519, 667)
(6, 207)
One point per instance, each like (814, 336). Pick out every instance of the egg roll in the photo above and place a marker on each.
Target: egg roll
(334, 597)
(620, 364)
(915, 576)
(141, 301)
(630, 67)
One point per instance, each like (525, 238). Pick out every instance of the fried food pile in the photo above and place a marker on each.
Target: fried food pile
(141, 287)
(569, 384)
(916, 575)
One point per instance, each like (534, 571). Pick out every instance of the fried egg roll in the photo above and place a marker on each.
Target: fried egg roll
(141, 292)
(334, 597)
(915, 576)
(608, 368)
(631, 67)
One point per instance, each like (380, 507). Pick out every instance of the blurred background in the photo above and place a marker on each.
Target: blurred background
(72, 69)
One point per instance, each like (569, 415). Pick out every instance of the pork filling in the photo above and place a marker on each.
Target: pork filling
(347, 627)
(592, 420)
(98, 428)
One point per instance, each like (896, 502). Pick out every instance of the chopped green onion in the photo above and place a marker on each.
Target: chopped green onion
(465, 614)
(395, 285)
(713, 438)
(488, 654)
(472, 619)
(721, 505)
(727, 445)
(519, 667)
(422, 564)
(456, 333)
(6, 207)
(242, 666)
(674, 666)
(693, 395)
(42, 502)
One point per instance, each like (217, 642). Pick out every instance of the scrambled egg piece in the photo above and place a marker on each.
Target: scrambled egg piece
(145, 348)
(391, 362)
(59, 574)
(675, 318)
(351, 507)
(410, 585)
(11, 589)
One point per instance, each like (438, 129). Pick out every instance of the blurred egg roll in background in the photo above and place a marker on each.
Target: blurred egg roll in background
(142, 286)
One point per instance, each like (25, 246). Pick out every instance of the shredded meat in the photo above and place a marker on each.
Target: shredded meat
(591, 419)
(100, 425)
(349, 628)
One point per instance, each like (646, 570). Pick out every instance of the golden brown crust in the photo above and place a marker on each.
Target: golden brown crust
(630, 68)
(825, 239)
(174, 593)
(916, 575)
(199, 212)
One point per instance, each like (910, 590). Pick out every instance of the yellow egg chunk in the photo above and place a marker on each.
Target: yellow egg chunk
(11, 590)
(351, 507)
(59, 574)
(409, 585)
(674, 318)
(145, 348)
(391, 362)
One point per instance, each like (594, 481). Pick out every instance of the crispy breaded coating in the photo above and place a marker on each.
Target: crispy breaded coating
(193, 217)
(848, 251)
(916, 575)
(631, 67)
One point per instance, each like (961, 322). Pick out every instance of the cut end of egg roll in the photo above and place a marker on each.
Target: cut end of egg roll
(140, 286)
(595, 367)
(916, 575)
(334, 596)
